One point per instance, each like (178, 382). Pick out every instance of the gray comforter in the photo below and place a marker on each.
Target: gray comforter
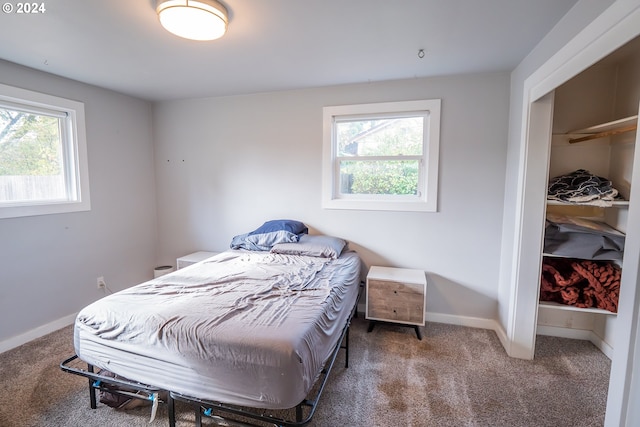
(245, 328)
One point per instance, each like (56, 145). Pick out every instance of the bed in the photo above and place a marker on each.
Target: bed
(243, 330)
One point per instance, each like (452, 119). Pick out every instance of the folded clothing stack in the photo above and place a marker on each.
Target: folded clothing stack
(581, 186)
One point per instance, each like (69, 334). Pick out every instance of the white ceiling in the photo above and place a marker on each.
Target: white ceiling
(275, 44)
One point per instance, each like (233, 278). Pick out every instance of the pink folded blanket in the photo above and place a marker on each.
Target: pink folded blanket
(581, 283)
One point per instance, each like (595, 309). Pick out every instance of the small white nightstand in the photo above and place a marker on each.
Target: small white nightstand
(187, 260)
(396, 295)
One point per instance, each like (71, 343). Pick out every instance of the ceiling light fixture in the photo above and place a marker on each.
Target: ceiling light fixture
(193, 19)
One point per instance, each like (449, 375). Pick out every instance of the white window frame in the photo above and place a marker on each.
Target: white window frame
(74, 152)
(426, 200)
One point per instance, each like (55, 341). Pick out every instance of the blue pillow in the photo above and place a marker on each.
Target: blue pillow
(295, 227)
(269, 234)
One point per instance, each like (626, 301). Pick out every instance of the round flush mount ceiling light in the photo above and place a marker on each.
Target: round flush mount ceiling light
(193, 19)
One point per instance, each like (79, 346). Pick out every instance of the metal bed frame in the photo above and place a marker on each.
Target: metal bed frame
(208, 408)
(119, 386)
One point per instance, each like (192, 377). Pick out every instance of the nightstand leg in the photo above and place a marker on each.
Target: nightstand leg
(371, 325)
(418, 332)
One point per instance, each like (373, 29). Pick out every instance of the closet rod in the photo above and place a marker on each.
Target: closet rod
(603, 134)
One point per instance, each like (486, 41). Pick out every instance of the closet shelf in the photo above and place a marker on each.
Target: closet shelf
(627, 124)
(562, 307)
(617, 262)
(618, 203)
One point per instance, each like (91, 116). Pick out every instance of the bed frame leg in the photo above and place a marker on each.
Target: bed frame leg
(172, 410)
(92, 390)
(198, 415)
(346, 361)
(299, 412)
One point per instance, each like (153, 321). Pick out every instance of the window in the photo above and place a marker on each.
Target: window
(43, 159)
(382, 156)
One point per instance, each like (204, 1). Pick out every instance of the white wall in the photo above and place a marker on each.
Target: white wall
(226, 165)
(49, 264)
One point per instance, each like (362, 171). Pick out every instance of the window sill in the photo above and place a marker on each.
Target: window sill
(44, 209)
(381, 205)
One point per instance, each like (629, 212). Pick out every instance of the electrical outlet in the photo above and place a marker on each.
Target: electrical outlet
(101, 283)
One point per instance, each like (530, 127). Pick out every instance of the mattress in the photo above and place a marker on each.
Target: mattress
(242, 327)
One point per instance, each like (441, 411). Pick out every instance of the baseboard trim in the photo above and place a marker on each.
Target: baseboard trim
(601, 344)
(472, 322)
(577, 334)
(555, 331)
(38, 332)
(502, 336)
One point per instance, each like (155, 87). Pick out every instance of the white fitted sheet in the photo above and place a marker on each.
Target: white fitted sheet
(244, 328)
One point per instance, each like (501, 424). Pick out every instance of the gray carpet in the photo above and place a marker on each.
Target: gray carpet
(455, 376)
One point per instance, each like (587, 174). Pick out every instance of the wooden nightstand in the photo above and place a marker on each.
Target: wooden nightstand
(187, 260)
(396, 295)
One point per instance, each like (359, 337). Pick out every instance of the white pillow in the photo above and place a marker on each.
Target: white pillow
(308, 245)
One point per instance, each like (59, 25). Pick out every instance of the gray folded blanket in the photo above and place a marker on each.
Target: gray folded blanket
(582, 238)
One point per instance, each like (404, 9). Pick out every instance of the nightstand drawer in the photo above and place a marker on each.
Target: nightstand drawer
(393, 288)
(396, 301)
